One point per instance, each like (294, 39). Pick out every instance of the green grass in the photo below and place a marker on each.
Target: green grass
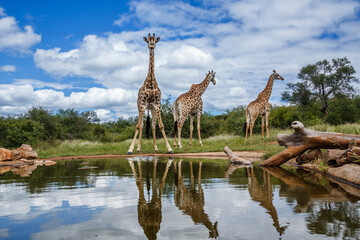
(348, 128)
(212, 144)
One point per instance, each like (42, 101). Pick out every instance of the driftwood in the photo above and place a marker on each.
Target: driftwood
(304, 139)
(235, 159)
(309, 156)
(337, 157)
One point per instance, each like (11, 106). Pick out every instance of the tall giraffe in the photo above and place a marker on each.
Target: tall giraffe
(149, 211)
(261, 106)
(191, 201)
(149, 97)
(190, 103)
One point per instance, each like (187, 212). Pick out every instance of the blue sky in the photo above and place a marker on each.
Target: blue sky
(90, 54)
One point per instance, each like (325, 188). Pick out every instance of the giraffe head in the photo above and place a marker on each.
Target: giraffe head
(151, 41)
(277, 76)
(211, 75)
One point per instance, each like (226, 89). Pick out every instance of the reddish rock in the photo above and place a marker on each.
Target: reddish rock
(5, 154)
(24, 170)
(4, 169)
(25, 151)
(49, 162)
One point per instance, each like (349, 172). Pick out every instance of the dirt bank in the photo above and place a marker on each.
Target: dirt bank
(249, 155)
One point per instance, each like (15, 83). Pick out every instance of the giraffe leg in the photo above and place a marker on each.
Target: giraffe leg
(180, 125)
(267, 123)
(247, 128)
(153, 128)
(198, 122)
(191, 128)
(262, 126)
(198, 127)
(138, 127)
(140, 135)
(161, 126)
(247, 123)
(251, 129)
(175, 138)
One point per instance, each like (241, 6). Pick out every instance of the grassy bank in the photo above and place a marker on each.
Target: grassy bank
(213, 144)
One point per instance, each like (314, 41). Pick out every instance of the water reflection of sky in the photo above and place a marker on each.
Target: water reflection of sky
(108, 209)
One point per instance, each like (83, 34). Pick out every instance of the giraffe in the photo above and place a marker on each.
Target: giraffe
(261, 193)
(261, 106)
(190, 103)
(191, 201)
(149, 97)
(149, 211)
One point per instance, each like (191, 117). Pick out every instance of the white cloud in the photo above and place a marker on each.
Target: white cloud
(40, 84)
(2, 12)
(189, 57)
(7, 68)
(104, 114)
(108, 60)
(120, 100)
(12, 37)
(243, 41)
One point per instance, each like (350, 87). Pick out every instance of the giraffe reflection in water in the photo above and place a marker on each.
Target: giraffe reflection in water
(149, 211)
(261, 193)
(191, 200)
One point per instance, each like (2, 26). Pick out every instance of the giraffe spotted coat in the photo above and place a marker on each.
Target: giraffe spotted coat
(190, 103)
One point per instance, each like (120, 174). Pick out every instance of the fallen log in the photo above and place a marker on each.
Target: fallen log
(337, 157)
(235, 159)
(309, 156)
(304, 139)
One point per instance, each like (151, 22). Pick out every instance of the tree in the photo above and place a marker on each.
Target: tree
(321, 83)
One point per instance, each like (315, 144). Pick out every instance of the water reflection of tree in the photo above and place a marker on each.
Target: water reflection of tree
(149, 211)
(335, 219)
(191, 200)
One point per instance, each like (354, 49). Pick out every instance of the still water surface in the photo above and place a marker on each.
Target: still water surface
(154, 198)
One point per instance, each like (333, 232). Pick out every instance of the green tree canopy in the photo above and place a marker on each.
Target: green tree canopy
(321, 83)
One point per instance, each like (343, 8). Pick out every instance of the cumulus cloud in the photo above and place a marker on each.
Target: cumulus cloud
(120, 100)
(242, 41)
(107, 60)
(13, 38)
(41, 84)
(104, 114)
(8, 68)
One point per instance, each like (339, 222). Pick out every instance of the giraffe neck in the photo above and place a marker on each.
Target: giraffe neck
(203, 85)
(267, 91)
(151, 72)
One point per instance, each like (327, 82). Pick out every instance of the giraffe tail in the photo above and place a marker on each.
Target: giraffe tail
(148, 126)
(176, 116)
(248, 120)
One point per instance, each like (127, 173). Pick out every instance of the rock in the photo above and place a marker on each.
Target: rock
(24, 170)
(25, 151)
(5, 154)
(4, 169)
(49, 162)
(39, 162)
